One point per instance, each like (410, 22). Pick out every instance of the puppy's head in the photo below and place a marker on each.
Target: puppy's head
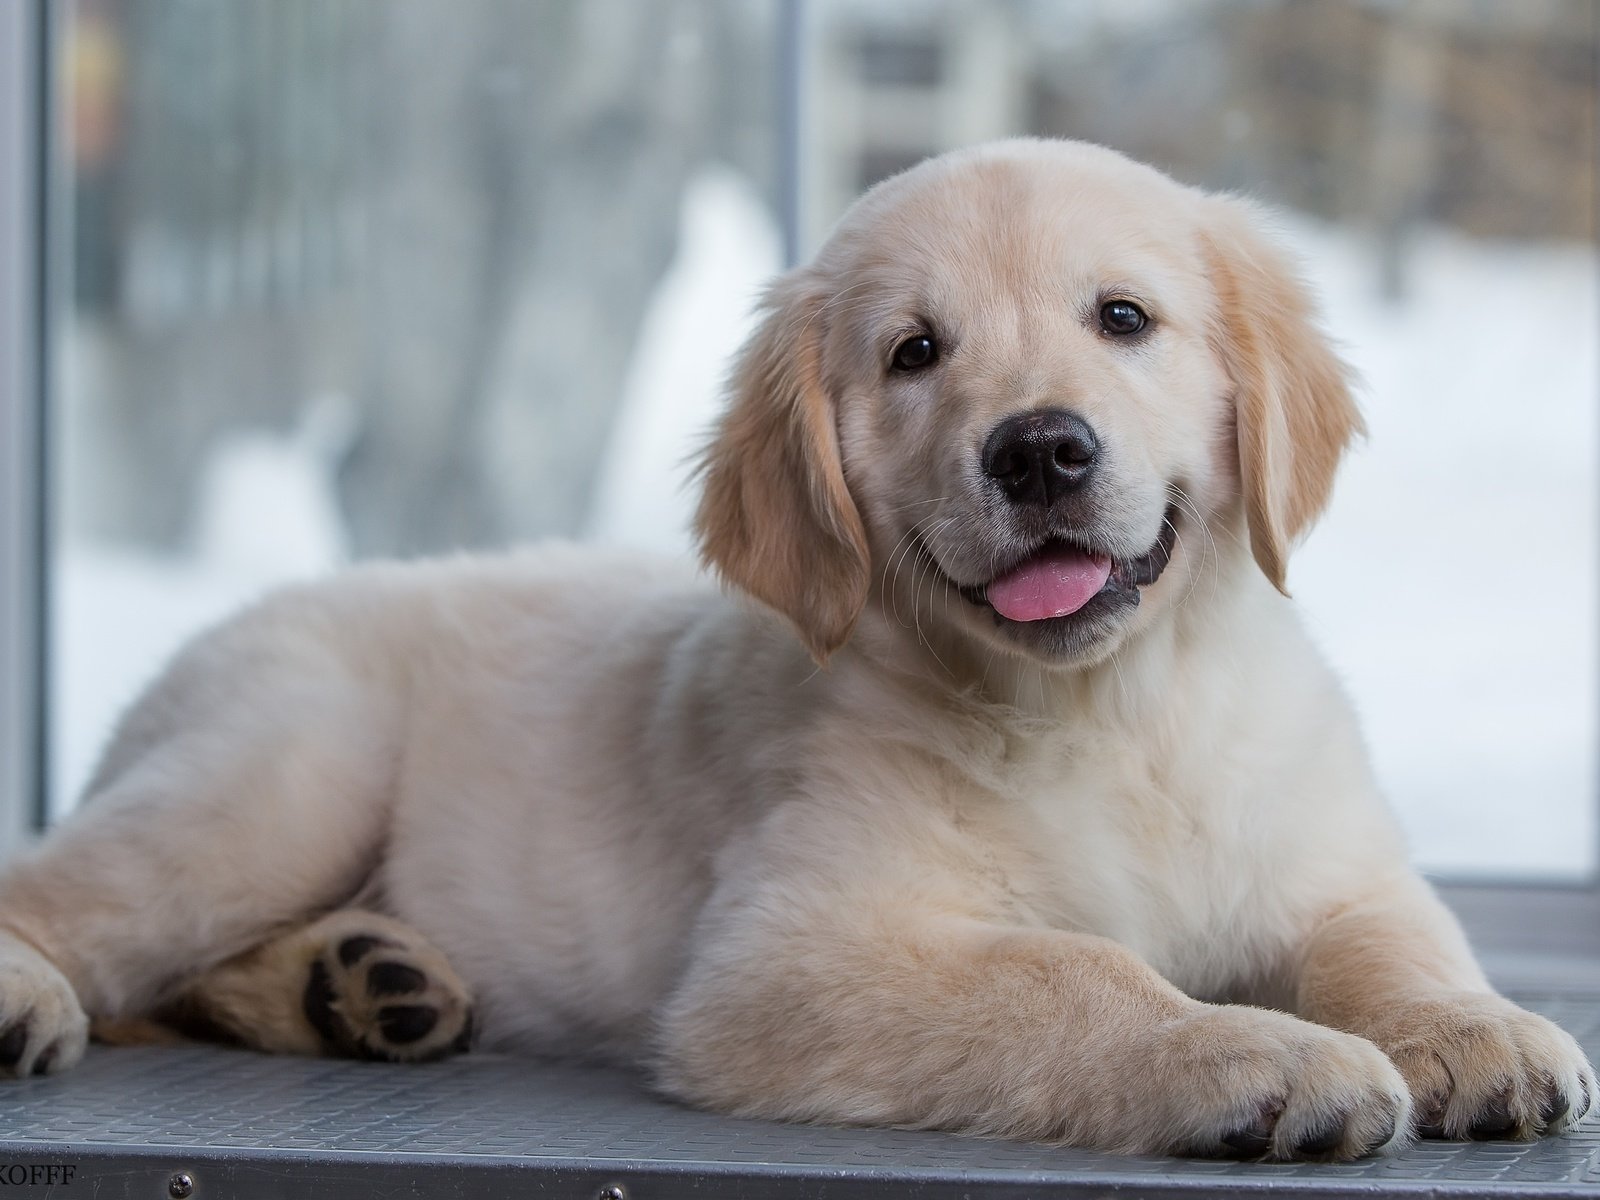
(1023, 390)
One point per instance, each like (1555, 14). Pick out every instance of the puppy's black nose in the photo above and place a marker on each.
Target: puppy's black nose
(1039, 456)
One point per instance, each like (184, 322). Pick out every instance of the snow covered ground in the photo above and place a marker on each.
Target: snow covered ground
(1454, 583)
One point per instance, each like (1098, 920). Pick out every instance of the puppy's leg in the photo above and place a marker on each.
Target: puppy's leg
(251, 792)
(353, 983)
(1396, 969)
(980, 1028)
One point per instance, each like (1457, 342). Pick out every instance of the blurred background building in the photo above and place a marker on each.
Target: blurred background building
(338, 278)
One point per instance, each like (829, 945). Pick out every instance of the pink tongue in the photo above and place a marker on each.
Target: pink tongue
(1053, 583)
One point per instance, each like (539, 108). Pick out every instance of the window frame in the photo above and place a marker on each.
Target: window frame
(1510, 921)
(23, 387)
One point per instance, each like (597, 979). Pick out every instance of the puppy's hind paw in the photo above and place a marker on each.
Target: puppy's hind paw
(379, 991)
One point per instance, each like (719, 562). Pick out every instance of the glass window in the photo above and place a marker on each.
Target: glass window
(353, 277)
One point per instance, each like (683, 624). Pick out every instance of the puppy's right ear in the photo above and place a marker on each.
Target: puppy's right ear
(776, 517)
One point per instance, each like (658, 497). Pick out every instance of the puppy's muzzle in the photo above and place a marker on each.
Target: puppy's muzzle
(1041, 456)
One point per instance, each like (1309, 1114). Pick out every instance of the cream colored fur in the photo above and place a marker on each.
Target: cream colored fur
(942, 882)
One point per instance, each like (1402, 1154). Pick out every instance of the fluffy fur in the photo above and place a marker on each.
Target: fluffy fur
(968, 876)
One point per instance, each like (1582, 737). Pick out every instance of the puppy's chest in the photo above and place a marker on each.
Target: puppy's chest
(1174, 864)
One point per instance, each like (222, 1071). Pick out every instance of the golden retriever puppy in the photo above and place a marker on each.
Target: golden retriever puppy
(1070, 836)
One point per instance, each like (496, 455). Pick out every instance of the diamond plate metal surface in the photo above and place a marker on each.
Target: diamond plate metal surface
(248, 1125)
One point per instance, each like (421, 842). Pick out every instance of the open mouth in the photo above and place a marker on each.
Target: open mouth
(1062, 577)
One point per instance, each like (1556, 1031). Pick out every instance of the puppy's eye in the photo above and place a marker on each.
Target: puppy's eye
(915, 353)
(1122, 317)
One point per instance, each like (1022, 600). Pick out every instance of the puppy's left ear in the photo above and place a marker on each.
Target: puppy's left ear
(776, 517)
(1292, 402)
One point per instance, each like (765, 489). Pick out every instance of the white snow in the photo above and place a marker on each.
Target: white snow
(1454, 579)
(729, 249)
(1453, 583)
(265, 514)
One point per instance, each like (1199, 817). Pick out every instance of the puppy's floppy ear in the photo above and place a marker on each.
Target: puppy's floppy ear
(1292, 400)
(776, 517)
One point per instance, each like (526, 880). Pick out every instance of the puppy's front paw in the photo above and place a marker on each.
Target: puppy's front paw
(43, 1028)
(1250, 1083)
(1480, 1067)
(378, 990)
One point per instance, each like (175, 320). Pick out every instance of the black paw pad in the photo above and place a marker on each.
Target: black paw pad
(353, 949)
(394, 979)
(1321, 1139)
(1495, 1119)
(405, 1023)
(12, 1043)
(1555, 1104)
(1429, 1119)
(317, 1003)
(47, 1057)
(1385, 1132)
(367, 1052)
(463, 1041)
(1255, 1139)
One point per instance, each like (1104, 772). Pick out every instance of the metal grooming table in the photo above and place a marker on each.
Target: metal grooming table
(167, 1124)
